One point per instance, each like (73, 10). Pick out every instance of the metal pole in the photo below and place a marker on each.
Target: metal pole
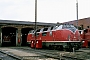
(35, 13)
(35, 19)
(77, 12)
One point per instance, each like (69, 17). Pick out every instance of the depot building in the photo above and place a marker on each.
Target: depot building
(14, 33)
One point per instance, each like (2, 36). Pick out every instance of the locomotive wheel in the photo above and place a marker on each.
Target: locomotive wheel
(50, 47)
(54, 47)
(68, 49)
(60, 47)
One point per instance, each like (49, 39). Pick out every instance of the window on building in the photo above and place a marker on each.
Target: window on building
(82, 27)
(87, 26)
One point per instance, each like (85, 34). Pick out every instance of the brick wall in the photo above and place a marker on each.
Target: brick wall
(85, 22)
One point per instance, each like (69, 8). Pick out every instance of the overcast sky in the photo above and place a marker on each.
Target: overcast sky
(50, 11)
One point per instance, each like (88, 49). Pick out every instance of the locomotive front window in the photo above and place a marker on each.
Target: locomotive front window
(51, 28)
(38, 30)
(29, 31)
(70, 27)
(32, 31)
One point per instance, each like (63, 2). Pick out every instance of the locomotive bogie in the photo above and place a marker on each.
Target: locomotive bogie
(63, 45)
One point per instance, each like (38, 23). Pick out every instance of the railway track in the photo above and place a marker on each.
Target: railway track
(6, 56)
(59, 55)
(54, 54)
(43, 53)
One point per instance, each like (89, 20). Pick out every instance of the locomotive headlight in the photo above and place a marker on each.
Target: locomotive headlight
(83, 41)
(37, 42)
(32, 41)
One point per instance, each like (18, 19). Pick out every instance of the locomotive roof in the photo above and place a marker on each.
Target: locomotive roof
(55, 27)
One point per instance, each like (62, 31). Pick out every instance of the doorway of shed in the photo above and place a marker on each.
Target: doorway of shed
(25, 32)
(9, 36)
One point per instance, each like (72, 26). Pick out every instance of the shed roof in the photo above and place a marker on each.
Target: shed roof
(24, 23)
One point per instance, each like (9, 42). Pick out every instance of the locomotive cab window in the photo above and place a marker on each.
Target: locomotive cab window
(37, 32)
(32, 31)
(44, 33)
(45, 29)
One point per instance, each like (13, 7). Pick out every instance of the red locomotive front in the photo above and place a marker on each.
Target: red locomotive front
(30, 36)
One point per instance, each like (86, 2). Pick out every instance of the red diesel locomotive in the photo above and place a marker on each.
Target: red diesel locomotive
(85, 35)
(61, 37)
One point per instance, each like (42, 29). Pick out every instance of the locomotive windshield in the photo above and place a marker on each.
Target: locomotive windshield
(70, 27)
(32, 31)
(54, 27)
